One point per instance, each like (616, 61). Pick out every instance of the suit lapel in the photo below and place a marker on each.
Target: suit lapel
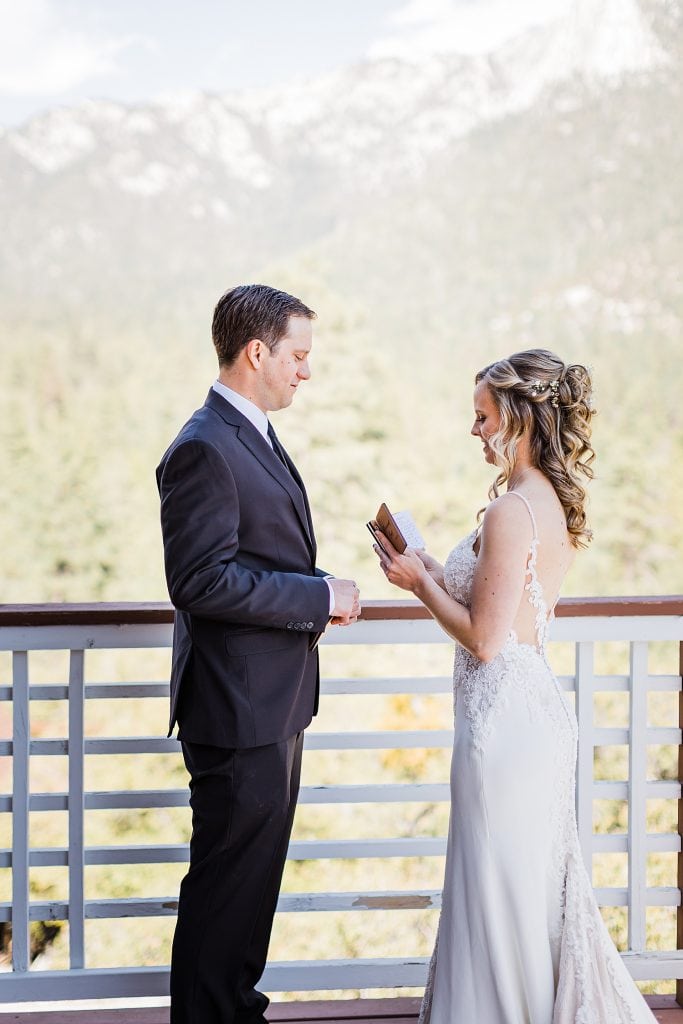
(261, 450)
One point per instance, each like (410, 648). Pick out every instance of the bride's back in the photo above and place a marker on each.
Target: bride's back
(554, 553)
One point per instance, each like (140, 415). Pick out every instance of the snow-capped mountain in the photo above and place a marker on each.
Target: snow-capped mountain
(233, 181)
(391, 113)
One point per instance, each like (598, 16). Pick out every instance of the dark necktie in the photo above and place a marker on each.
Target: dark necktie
(296, 480)
(277, 448)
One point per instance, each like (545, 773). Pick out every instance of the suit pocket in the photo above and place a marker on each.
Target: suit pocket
(259, 641)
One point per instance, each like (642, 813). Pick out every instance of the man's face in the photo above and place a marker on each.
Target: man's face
(283, 370)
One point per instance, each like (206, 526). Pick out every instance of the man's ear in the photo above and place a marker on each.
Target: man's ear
(255, 352)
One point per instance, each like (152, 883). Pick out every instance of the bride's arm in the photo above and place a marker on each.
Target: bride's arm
(497, 586)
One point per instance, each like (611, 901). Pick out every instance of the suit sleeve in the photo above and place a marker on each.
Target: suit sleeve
(200, 524)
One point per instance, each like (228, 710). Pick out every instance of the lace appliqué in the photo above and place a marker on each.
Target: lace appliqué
(593, 982)
(458, 571)
(426, 1005)
(536, 599)
(483, 686)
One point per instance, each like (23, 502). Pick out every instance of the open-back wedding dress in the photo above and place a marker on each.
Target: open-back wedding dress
(520, 939)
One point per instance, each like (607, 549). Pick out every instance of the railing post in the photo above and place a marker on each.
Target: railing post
(679, 911)
(584, 765)
(21, 738)
(76, 811)
(637, 805)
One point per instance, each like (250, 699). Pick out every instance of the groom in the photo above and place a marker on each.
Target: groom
(250, 605)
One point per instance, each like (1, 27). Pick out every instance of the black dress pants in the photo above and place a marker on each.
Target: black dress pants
(243, 804)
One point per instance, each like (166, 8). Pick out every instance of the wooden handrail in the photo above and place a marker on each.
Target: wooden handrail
(142, 613)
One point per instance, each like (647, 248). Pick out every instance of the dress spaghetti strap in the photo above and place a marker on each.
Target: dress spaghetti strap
(526, 501)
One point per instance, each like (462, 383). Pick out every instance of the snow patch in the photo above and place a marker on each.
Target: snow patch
(151, 180)
(53, 142)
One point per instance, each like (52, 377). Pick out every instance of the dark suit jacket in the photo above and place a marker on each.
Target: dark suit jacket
(240, 556)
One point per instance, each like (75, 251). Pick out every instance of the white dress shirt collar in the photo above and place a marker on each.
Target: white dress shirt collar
(247, 408)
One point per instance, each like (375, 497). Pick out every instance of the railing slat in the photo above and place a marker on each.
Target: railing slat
(380, 740)
(298, 976)
(288, 903)
(302, 903)
(21, 939)
(399, 792)
(315, 849)
(657, 789)
(177, 853)
(331, 687)
(657, 896)
(637, 809)
(76, 811)
(679, 865)
(389, 792)
(618, 842)
(584, 763)
(376, 740)
(393, 684)
(654, 735)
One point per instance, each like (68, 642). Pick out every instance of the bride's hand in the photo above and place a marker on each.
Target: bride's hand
(433, 567)
(406, 571)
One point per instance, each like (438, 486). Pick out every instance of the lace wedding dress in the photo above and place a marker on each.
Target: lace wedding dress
(520, 939)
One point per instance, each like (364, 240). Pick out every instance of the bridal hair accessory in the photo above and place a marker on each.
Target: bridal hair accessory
(539, 387)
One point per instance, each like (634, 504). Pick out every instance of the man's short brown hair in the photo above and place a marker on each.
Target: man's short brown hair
(252, 311)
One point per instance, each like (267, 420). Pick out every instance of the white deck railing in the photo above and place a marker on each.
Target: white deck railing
(78, 629)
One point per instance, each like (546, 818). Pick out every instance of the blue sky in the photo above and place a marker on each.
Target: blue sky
(60, 52)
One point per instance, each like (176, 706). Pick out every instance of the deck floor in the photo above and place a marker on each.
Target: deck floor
(355, 1011)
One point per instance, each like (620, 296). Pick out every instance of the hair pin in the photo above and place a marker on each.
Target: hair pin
(539, 387)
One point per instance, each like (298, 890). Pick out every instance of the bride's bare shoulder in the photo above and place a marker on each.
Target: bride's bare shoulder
(505, 517)
(506, 507)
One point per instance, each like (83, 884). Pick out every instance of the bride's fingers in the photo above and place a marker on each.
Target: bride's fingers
(388, 546)
(383, 560)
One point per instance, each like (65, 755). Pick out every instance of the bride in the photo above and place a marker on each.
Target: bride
(520, 939)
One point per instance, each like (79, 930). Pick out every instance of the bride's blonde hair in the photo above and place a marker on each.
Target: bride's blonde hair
(535, 392)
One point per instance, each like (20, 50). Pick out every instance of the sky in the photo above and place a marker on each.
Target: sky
(62, 52)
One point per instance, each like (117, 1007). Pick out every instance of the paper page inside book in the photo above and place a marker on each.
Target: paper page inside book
(408, 528)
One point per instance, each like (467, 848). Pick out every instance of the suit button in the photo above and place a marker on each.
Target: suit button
(309, 625)
(290, 625)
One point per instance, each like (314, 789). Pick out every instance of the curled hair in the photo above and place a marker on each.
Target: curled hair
(536, 393)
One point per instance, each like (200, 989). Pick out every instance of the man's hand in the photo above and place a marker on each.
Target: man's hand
(346, 602)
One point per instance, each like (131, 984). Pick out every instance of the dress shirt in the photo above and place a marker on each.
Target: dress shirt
(258, 418)
(255, 415)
